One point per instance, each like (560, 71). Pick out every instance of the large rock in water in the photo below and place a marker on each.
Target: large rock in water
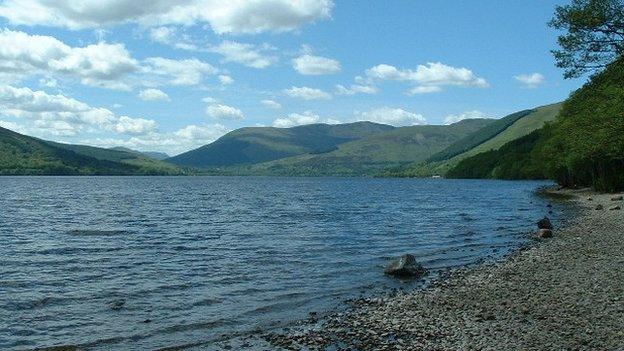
(544, 223)
(544, 234)
(406, 267)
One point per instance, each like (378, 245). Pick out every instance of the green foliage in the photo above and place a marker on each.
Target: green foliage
(23, 155)
(248, 146)
(594, 35)
(583, 147)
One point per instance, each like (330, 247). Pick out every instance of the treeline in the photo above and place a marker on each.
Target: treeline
(583, 147)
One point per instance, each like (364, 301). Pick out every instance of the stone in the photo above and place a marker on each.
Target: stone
(615, 208)
(599, 207)
(406, 267)
(617, 198)
(544, 234)
(544, 223)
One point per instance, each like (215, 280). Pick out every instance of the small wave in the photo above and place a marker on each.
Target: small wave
(97, 232)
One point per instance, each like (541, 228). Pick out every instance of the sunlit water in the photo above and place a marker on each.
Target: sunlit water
(135, 263)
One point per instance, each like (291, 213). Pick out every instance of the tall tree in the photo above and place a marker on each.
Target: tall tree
(594, 35)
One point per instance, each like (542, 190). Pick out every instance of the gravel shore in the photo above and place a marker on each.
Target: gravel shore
(565, 293)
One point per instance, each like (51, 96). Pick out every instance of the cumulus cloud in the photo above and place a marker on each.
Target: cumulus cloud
(306, 93)
(532, 80)
(101, 64)
(392, 116)
(179, 72)
(296, 119)
(223, 16)
(356, 89)
(60, 113)
(184, 139)
(315, 65)
(170, 35)
(450, 119)
(220, 111)
(153, 95)
(225, 79)
(428, 78)
(246, 54)
(271, 104)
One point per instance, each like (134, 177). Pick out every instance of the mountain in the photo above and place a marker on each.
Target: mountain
(492, 137)
(151, 154)
(584, 146)
(23, 155)
(374, 153)
(253, 145)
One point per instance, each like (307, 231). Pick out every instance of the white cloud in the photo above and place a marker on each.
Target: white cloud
(179, 72)
(219, 111)
(392, 116)
(225, 79)
(425, 89)
(246, 54)
(99, 64)
(450, 119)
(297, 119)
(171, 36)
(59, 113)
(306, 93)
(271, 104)
(429, 78)
(187, 138)
(315, 65)
(356, 89)
(532, 80)
(223, 16)
(153, 95)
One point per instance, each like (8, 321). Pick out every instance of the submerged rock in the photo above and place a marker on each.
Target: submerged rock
(617, 198)
(544, 234)
(406, 267)
(599, 207)
(544, 223)
(615, 208)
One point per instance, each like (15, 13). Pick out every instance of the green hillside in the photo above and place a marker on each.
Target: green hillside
(583, 147)
(23, 155)
(247, 146)
(373, 154)
(492, 137)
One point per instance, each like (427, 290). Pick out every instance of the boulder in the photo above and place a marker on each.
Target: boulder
(406, 267)
(617, 198)
(544, 223)
(599, 207)
(544, 234)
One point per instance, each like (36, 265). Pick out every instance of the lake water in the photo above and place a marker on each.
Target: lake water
(133, 263)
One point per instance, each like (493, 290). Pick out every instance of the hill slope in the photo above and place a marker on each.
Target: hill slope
(261, 144)
(151, 154)
(375, 153)
(492, 137)
(583, 147)
(23, 155)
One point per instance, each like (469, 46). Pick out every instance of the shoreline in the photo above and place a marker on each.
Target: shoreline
(559, 293)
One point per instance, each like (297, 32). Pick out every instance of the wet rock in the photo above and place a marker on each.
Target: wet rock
(544, 223)
(615, 208)
(544, 234)
(406, 267)
(599, 207)
(617, 198)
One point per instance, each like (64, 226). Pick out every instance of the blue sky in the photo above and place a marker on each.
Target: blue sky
(174, 75)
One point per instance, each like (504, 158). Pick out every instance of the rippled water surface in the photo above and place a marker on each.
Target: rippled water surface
(129, 263)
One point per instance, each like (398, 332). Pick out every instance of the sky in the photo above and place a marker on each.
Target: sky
(173, 75)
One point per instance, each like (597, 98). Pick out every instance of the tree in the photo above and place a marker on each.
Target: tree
(594, 35)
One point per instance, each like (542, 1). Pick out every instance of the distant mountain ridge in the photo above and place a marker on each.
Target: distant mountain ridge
(254, 145)
(151, 154)
(25, 155)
